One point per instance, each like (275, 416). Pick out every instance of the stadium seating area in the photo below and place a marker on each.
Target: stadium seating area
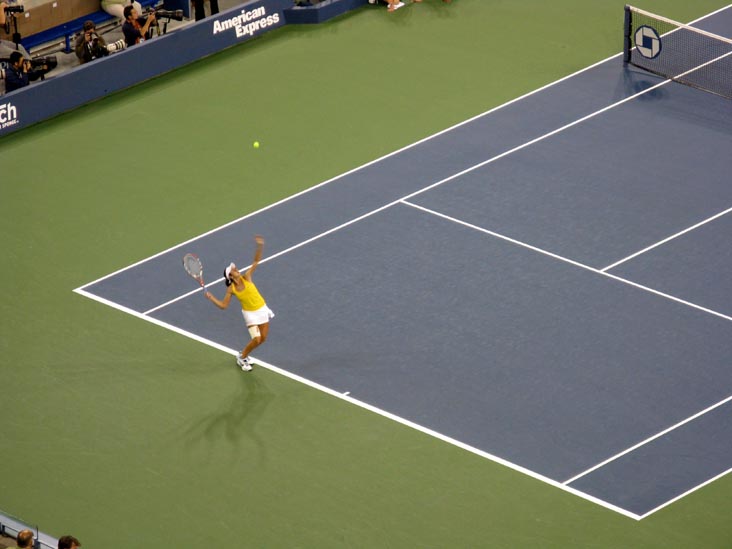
(68, 29)
(51, 35)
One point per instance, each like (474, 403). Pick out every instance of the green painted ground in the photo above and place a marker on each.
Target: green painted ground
(128, 435)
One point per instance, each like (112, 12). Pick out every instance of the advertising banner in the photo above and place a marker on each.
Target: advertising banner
(91, 81)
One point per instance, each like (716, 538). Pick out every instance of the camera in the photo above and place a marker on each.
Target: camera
(176, 15)
(119, 45)
(36, 64)
(97, 49)
(160, 13)
(101, 50)
(50, 62)
(14, 9)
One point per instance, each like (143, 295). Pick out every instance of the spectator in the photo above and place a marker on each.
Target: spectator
(116, 7)
(199, 12)
(20, 72)
(393, 5)
(24, 540)
(136, 28)
(68, 542)
(90, 45)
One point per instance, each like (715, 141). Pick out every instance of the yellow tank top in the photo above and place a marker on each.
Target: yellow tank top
(249, 297)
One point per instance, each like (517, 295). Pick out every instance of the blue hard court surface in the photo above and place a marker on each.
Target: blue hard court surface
(484, 284)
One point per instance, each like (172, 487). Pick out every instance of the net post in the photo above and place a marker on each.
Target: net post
(628, 23)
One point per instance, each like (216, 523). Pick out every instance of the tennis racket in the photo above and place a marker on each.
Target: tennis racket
(194, 267)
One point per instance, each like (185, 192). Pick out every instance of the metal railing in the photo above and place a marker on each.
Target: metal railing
(10, 526)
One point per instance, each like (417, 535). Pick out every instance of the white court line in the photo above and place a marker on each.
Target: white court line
(665, 240)
(680, 496)
(646, 441)
(155, 321)
(346, 397)
(286, 250)
(567, 260)
(163, 305)
(188, 294)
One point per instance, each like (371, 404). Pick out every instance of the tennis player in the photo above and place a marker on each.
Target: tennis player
(253, 307)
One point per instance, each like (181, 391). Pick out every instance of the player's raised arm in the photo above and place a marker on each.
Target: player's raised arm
(220, 303)
(257, 257)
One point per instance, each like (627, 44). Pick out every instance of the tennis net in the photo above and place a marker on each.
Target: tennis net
(679, 52)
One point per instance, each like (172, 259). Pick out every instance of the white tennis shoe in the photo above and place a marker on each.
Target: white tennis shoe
(244, 363)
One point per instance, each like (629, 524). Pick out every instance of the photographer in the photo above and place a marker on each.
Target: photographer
(136, 28)
(20, 72)
(90, 45)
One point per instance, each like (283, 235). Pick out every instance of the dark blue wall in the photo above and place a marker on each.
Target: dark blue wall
(42, 100)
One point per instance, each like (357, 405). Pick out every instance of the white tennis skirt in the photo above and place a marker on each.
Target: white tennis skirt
(260, 316)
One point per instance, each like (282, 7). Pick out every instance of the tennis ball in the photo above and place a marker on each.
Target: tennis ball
(256, 144)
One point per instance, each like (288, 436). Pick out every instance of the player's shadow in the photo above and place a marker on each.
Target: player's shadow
(235, 419)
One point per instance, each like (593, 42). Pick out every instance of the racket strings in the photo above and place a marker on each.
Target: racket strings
(193, 265)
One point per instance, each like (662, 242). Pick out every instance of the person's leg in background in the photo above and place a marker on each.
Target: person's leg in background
(198, 11)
